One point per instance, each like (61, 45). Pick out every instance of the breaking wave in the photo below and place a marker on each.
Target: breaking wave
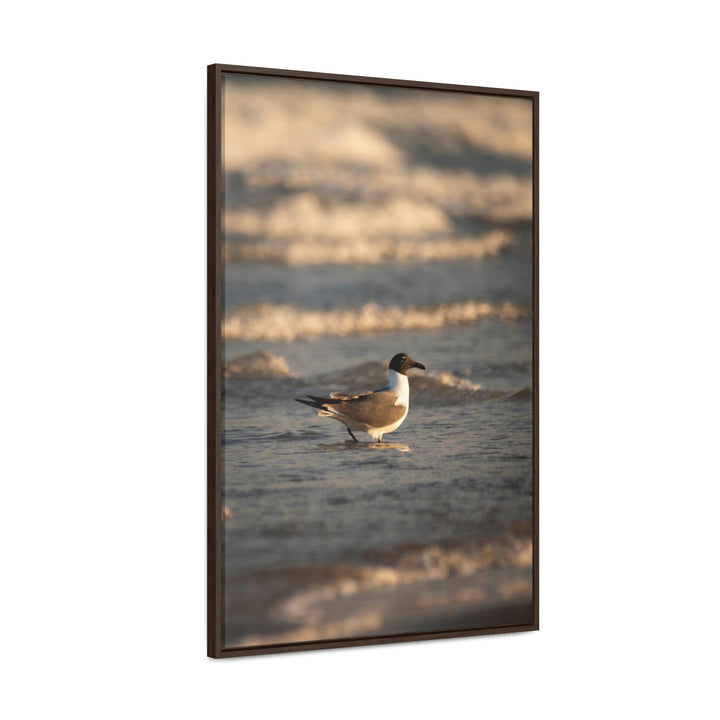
(434, 563)
(257, 364)
(286, 120)
(500, 197)
(447, 388)
(436, 387)
(286, 323)
(342, 600)
(303, 216)
(368, 250)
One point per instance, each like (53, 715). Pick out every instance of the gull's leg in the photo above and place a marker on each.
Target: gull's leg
(351, 434)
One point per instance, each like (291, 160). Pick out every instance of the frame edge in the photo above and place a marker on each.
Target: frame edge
(214, 352)
(366, 80)
(214, 409)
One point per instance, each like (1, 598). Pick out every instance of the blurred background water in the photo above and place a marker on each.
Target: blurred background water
(360, 222)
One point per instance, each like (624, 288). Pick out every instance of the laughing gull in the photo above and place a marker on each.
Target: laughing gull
(376, 413)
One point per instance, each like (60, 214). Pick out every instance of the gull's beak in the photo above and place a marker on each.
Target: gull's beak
(419, 365)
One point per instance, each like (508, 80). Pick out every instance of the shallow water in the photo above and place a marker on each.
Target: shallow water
(332, 267)
(300, 494)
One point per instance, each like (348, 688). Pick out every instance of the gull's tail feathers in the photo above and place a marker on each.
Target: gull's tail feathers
(316, 402)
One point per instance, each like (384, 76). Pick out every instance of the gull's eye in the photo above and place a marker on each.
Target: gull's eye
(403, 358)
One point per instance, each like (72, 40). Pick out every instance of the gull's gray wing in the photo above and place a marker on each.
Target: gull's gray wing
(377, 409)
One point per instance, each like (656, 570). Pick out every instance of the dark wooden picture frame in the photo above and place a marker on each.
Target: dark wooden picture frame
(215, 507)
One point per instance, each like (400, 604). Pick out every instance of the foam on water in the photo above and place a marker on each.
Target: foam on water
(368, 250)
(438, 388)
(281, 120)
(257, 364)
(286, 323)
(303, 216)
(348, 600)
(498, 197)
(417, 566)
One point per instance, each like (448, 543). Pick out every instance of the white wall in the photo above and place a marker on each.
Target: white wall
(102, 301)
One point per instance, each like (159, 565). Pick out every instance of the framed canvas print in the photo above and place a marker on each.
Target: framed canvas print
(372, 360)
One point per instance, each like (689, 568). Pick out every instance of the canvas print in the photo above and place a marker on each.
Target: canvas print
(377, 444)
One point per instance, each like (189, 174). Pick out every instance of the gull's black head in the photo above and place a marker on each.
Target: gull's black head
(402, 362)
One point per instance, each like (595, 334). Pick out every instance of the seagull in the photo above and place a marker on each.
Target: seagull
(376, 413)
